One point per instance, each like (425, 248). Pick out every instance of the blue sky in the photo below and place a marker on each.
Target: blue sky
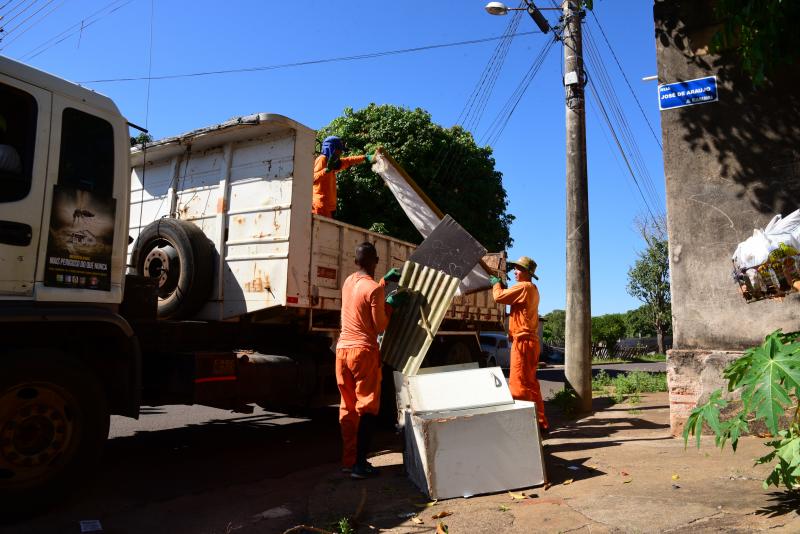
(206, 35)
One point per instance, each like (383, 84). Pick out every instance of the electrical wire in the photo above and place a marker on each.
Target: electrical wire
(75, 28)
(304, 63)
(500, 122)
(472, 112)
(627, 82)
(34, 23)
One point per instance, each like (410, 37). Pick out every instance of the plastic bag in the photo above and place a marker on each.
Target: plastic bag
(752, 251)
(784, 230)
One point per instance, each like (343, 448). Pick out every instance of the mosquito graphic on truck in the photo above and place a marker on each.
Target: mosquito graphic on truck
(201, 277)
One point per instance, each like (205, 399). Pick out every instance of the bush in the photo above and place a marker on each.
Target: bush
(769, 378)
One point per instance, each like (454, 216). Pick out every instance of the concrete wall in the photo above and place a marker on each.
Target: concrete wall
(730, 166)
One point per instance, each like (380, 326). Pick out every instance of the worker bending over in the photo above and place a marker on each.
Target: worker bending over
(365, 314)
(523, 328)
(327, 164)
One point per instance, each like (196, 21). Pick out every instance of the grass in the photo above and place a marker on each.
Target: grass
(629, 385)
(644, 358)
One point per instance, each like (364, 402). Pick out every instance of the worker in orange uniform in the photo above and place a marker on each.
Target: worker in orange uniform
(523, 328)
(365, 314)
(327, 164)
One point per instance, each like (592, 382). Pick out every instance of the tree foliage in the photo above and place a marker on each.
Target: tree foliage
(141, 139)
(554, 327)
(639, 322)
(769, 378)
(609, 329)
(457, 175)
(763, 33)
(648, 279)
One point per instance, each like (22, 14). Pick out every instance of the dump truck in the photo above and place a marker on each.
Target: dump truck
(186, 271)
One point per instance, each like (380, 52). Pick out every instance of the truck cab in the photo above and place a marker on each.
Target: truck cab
(64, 171)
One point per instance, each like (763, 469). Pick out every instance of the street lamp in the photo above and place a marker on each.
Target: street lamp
(499, 8)
(577, 345)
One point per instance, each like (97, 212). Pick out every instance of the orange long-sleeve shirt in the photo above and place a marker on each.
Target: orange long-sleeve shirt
(323, 201)
(365, 314)
(523, 297)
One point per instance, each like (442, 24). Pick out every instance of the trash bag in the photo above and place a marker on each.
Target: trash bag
(755, 250)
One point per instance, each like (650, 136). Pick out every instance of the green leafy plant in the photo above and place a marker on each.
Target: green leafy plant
(565, 399)
(769, 378)
(344, 526)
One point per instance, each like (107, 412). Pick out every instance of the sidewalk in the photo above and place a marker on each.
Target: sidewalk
(618, 470)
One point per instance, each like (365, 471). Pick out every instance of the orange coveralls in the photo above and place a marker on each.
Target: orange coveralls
(323, 201)
(358, 359)
(523, 327)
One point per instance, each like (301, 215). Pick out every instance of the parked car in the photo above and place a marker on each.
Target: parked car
(496, 349)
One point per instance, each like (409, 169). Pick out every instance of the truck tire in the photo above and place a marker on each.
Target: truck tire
(179, 255)
(54, 422)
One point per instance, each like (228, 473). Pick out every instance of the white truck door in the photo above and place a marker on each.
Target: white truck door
(24, 140)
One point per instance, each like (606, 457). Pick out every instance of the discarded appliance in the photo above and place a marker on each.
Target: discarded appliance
(414, 325)
(423, 213)
(465, 435)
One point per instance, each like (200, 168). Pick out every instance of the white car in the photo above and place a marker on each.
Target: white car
(496, 349)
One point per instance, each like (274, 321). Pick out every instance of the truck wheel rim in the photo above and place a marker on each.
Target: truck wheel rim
(163, 264)
(36, 429)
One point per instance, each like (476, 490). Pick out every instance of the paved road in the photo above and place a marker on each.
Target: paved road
(158, 471)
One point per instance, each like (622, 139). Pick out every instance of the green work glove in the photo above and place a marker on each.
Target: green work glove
(397, 299)
(370, 158)
(393, 275)
(495, 280)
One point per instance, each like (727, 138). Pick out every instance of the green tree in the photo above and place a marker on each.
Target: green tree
(639, 322)
(609, 329)
(762, 33)
(141, 139)
(554, 326)
(454, 172)
(648, 279)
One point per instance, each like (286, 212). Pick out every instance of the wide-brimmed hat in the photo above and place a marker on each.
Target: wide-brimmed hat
(525, 263)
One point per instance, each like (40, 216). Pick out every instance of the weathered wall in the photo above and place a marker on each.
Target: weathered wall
(730, 166)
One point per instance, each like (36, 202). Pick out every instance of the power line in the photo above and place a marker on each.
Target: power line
(627, 82)
(497, 126)
(75, 28)
(305, 63)
(34, 23)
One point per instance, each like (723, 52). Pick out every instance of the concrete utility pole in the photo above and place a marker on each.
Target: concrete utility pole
(577, 345)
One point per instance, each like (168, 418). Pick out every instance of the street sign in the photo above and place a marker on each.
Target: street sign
(688, 93)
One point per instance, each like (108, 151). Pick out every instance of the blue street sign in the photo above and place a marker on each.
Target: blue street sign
(688, 93)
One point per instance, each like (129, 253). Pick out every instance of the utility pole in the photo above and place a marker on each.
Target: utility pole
(577, 345)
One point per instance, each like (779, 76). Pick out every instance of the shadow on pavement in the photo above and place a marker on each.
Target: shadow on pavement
(783, 503)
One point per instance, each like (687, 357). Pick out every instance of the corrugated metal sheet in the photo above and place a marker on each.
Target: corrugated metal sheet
(414, 325)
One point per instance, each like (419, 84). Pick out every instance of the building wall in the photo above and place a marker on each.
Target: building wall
(730, 166)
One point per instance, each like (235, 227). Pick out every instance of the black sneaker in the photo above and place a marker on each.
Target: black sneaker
(363, 471)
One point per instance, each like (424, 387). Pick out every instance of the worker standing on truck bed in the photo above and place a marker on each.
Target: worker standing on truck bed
(523, 328)
(365, 314)
(327, 164)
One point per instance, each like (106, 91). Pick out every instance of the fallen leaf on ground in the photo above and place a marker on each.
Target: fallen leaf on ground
(504, 508)
(441, 528)
(517, 496)
(568, 482)
(417, 520)
(675, 477)
(426, 504)
(623, 473)
(627, 481)
(547, 486)
(442, 514)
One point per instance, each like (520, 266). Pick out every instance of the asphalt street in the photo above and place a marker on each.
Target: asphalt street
(156, 469)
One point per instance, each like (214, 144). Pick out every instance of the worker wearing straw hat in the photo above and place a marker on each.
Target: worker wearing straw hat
(523, 328)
